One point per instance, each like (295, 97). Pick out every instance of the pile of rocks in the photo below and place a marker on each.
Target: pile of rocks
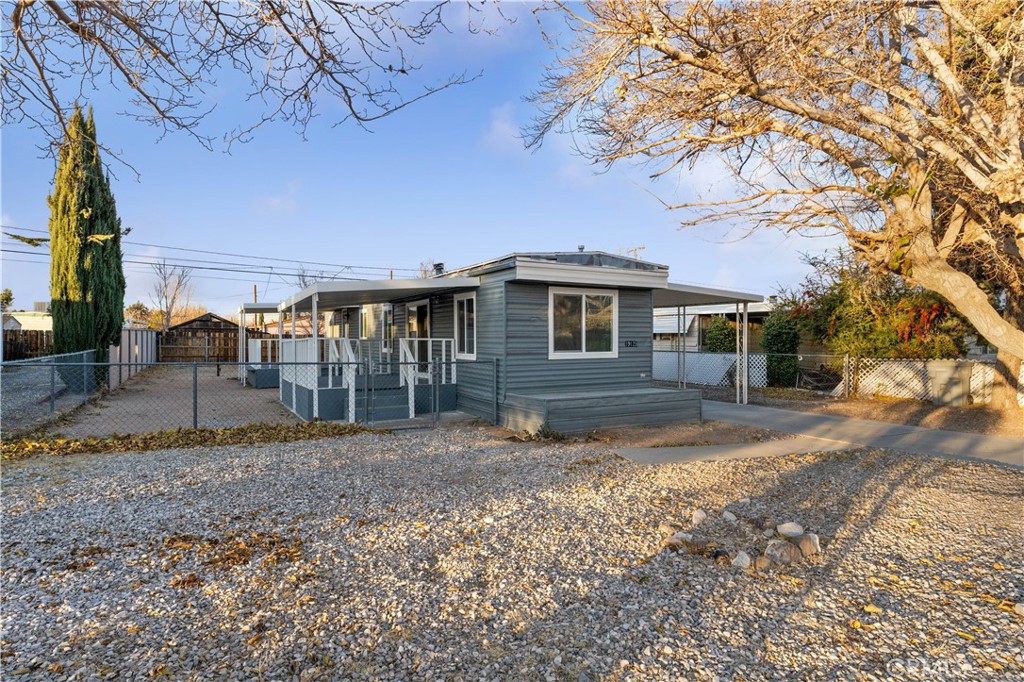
(787, 543)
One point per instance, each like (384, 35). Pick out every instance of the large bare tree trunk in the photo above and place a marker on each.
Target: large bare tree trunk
(1006, 383)
(932, 272)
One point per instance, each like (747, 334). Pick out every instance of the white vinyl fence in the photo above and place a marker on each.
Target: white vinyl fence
(137, 351)
(891, 378)
(909, 378)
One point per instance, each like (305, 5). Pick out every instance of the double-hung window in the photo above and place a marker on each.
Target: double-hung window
(583, 323)
(465, 326)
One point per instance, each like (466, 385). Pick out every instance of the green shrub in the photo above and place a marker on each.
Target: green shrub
(780, 341)
(720, 336)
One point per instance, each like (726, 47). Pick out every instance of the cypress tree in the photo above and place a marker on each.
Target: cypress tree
(86, 277)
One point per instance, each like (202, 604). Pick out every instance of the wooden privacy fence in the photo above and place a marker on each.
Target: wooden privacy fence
(138, 346)
(203, 345)
(21, 344)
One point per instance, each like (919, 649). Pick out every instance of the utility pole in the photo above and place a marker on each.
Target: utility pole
(254, 293)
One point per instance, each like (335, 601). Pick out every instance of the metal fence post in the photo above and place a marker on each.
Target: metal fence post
(494, 371)
(435, 387)
(195, 396)
(846, 375)
(371, 406)
(53, 392)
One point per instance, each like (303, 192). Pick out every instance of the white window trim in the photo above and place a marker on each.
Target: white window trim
(459, 355)
(387, 310)
(582, 355)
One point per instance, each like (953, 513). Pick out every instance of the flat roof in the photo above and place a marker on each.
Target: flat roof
(717, 309)
(675, 294)
(258, 307)
(587, 258)
(333, 295)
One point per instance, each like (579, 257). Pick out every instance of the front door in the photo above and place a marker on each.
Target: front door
(418, 324)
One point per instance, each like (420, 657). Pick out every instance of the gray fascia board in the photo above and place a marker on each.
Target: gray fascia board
(705, 295)
(380, 291)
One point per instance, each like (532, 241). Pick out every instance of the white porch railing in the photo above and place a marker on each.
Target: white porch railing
(337, 354)
(416, 359)
(343, 358)
(420, 354)
(261, 352)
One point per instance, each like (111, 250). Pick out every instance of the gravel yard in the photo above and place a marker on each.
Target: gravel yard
(25, 396)
(457, 554)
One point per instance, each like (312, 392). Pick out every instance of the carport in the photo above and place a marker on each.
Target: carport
(679, 296)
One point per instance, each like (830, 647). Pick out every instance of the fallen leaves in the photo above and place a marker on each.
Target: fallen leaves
(179, 438)
(186, 581)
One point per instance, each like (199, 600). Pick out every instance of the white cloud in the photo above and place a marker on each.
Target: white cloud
(503, 135)
(285, 202)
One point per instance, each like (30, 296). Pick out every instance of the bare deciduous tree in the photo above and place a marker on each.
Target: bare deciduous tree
(168, 55)
(172, 290)
(894, 122)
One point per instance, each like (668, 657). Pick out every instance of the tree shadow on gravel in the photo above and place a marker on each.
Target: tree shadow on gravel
(818, 618)
(859, 501)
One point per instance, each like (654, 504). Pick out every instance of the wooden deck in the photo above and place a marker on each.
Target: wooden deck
(575, 411)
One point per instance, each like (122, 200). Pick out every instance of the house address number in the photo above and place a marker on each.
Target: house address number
(629, 344)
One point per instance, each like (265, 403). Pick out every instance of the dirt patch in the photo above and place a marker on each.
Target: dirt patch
(969, 419)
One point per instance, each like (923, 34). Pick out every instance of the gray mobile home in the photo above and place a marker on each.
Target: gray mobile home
(563, 339)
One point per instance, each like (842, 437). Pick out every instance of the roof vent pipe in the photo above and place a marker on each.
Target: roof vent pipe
(581, 248)
(438, 269)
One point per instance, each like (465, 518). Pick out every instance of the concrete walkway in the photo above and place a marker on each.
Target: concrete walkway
(829, 432)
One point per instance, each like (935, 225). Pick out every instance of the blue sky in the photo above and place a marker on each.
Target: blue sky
(446, 179)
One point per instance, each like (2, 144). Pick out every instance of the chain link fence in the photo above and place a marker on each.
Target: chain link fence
(835, 375)
(74, 397)
(39, 390)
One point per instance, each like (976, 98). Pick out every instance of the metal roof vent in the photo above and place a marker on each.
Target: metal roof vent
(438, 269)
(581, 248)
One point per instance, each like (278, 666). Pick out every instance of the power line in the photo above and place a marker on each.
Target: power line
(248, 269)
(235, 255)
(141, 269)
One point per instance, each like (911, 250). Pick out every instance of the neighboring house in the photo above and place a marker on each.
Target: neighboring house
(303, 326)
(11, 323)
(205, 322)
(31, 320)
(563, 339)
(694, 320)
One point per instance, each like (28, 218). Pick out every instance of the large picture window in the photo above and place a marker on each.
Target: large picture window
(584, 323)
(465, 326)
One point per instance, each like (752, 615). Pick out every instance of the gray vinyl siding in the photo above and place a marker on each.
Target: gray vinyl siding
(529, 369)
(570, 412)
(442, 317)
(476, 379)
